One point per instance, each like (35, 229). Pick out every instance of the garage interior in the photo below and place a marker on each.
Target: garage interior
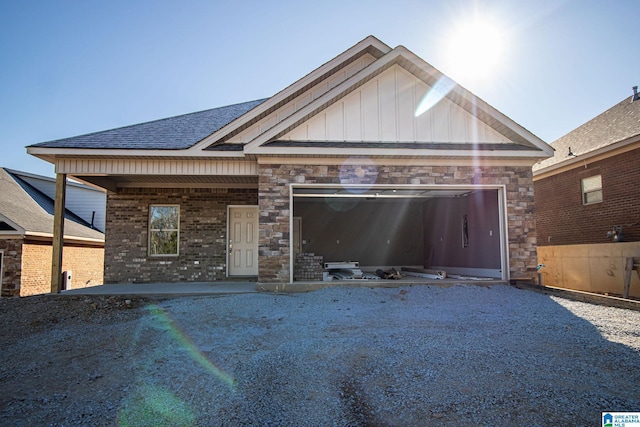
(451, 232)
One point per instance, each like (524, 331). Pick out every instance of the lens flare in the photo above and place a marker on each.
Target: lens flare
(436, 94)
(357, 175)
(183, 339)
(155, 406)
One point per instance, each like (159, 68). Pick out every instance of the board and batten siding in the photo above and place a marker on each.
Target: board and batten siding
(303, 100)
(74, 166)
(384, 109)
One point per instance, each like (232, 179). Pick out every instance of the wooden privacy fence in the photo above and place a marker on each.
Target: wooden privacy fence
(631, 264)
(602, 268)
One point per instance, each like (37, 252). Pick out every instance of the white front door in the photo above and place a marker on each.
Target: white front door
(243, 241)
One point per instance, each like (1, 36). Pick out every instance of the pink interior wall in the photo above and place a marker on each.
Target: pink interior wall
(443, 229)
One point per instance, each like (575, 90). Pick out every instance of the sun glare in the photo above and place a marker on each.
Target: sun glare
(475, 49)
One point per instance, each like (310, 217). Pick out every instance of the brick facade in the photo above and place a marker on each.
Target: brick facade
(561, 217)
(203, 219)
(275, 209)
(27, 266)
(203, 230)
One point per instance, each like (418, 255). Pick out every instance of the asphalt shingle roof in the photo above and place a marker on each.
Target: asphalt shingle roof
(32, 210)
(620, 122)
(173, 133)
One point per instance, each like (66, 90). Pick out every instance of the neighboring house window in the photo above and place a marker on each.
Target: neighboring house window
(164, 229)
(592, 190)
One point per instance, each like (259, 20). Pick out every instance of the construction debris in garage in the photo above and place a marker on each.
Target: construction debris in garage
(347, 270)
(310, 267)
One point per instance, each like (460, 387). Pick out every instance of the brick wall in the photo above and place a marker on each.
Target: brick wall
(12, 267)
(275, 209)
(561, 217)
(27, 266)
(36, 269)
(85, 263)
(203, 230)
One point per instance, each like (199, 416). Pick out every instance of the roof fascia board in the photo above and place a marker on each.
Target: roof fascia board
(479, 103)
(10, 235)
(369, 41)
(18, 228)
(410, 161)
(505, 120)
(602, 153)
(67, 238)
(393, 152)
(46, 153)
(336, 92)
(369, 72)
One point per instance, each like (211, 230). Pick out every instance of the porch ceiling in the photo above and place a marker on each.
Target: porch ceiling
(113, 182)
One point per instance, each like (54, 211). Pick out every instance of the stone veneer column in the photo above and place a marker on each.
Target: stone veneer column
(275, 210)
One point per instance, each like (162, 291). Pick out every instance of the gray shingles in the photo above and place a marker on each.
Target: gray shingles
(174, 133)
(30, 209)
(620, 122)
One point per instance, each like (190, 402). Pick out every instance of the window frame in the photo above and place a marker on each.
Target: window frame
(585, 193)
(1, 266)
(151, 231)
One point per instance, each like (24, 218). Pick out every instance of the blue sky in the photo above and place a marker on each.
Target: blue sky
(74, 67)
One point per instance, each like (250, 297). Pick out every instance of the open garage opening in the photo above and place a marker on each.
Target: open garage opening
(379, 230)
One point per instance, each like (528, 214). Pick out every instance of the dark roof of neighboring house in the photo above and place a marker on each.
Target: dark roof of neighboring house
(173, 133)
(27, 207)
(619, 123)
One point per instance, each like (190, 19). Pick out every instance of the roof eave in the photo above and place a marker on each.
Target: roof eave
(253, 147)
(579, 159)
(390, 152)
(18, 228)
(50, 154)
(67, 238)
(270, 103)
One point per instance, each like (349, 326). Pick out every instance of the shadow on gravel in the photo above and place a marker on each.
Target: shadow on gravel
(340, 356)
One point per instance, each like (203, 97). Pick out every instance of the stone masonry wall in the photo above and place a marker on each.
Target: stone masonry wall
(202, 242)
(275, 209)
(11, 267)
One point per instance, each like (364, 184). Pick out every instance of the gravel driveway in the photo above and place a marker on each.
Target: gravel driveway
(463, 355)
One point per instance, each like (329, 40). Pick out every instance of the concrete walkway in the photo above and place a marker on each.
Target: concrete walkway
(196, 288)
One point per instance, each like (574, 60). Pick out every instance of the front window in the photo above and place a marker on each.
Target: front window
(164, 229)
(592, 190)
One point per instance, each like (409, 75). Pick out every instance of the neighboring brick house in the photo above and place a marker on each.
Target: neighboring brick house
(26, 226)
(374, 157)
(588, 201)
(591, 187)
